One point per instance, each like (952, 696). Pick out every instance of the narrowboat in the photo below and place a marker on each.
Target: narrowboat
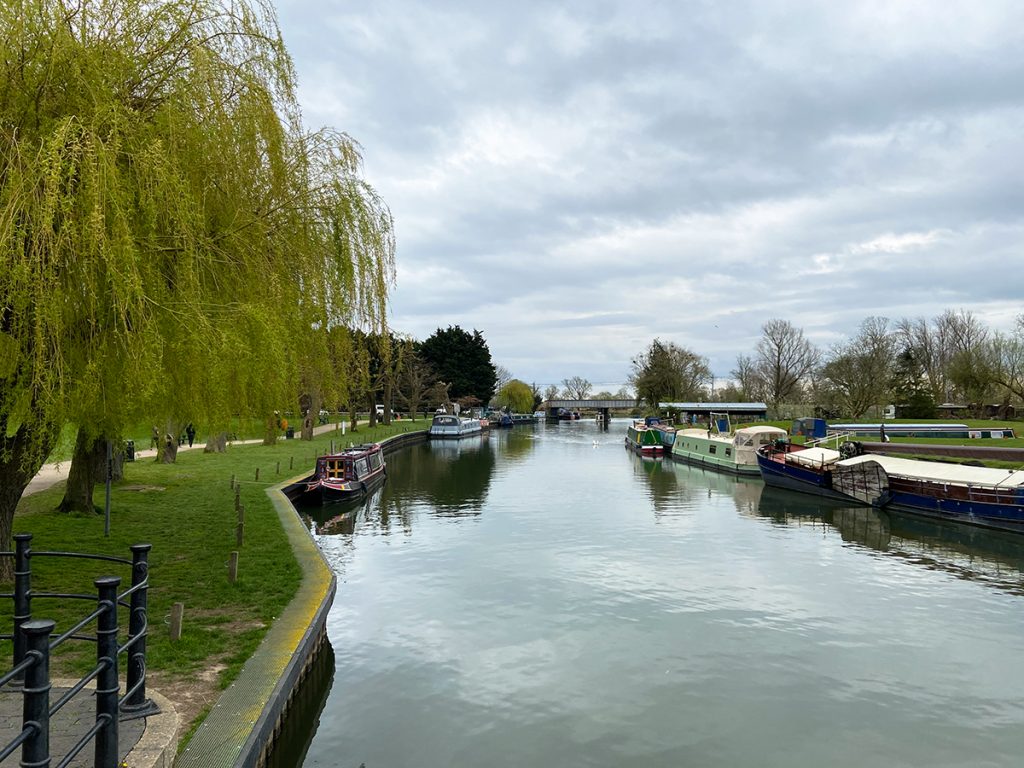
(820, 471)
(447, 425)
(735, 453)
(983, 496)
(644, 439)
(350, 474)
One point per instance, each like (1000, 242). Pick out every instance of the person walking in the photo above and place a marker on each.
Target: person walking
(190, 433)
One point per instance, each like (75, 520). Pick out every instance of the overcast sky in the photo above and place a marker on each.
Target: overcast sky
(575, 179)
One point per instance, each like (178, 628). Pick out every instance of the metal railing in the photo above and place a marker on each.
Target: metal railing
(33, 646)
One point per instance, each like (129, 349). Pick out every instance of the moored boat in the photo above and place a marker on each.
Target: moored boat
(735, 452)
(977, 495)
(644, 439)
(831, 474)
(350, 474)
(447, 425)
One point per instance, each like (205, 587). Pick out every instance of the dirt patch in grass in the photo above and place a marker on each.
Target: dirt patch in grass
(142, 488)
(191, 697)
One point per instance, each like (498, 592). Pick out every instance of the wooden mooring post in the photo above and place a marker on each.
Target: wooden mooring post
(233, 567)
(177, 615)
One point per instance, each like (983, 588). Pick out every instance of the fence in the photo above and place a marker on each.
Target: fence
(33, 646)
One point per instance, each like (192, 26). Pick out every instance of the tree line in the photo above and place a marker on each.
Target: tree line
(914, 362)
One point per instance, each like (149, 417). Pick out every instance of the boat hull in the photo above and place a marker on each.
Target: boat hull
(796, 478)
(932, 500)
(715, 463)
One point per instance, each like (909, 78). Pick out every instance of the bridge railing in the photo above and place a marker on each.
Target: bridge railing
(33, 645)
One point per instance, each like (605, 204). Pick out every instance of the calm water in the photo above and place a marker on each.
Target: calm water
(543, 597)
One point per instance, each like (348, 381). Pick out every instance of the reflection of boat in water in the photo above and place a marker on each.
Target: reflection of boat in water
(967, 552)
(675, 485)
(344, 476)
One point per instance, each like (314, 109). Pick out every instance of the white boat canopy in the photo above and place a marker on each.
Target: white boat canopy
(942, 472)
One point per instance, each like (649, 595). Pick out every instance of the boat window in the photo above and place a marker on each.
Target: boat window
(335, 469)
(712, 449)
(362, 467)
(728, 451)
(374, 461)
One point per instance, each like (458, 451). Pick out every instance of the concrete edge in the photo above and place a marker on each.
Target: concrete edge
(159, 743)
(221, 739)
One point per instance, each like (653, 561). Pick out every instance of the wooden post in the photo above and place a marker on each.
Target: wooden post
(291, 462)
(232, 481)
(239, 533)
(177, 614)
(332, 445)
(233, 568)
(278, 470)
(257, 474)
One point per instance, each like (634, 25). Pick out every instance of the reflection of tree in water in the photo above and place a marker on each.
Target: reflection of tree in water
(965, 551)
(516, 443)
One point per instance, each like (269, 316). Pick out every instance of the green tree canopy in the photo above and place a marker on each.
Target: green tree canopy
(463, 361)
(168, 229)
(516, 396)
(668, 372)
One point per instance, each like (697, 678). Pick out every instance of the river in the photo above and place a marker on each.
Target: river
(544, 597)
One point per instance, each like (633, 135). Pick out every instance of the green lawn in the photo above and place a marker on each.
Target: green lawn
(186, 511)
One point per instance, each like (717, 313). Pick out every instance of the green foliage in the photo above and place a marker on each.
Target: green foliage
(167, 227)
(186, 511)
(516, 396)
(667, 372)
(463, 361)
(910, 388)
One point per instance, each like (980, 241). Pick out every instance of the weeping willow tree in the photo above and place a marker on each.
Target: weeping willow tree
(169, 232)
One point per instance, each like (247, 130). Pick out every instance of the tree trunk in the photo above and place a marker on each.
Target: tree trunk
(312, 416)
(88, 467)
(168, 452)
(19, 463)
(270, 436)
(216, 443)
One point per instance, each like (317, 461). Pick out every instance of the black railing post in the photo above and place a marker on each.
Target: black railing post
(36, 705)
(107, 685)
(137, 628)
(22, 592)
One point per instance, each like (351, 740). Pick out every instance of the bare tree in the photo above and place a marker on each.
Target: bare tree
(551, 392)
(949, 343)
(784, 359)
(1007, 355)
(576, 388)
(748, 380)
(859, 372)
(502, 376)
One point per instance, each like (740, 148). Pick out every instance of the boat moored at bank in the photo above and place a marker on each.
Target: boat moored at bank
(447, 426)
(735, 452)
(644, 439)
(350, 474)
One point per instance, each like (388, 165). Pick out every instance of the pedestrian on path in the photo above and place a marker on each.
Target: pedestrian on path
(190, 432)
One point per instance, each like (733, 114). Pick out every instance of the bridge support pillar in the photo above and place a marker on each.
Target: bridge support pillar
(605, 417)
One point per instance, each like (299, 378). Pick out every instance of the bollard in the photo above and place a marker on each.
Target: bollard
(177, 615)
(138, 627)
(22, 593)
(36, 705)
(107, 684)
(233, 568)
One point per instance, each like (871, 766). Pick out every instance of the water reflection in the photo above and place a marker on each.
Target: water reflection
(304, 712)
(967, 552)
(675, 486)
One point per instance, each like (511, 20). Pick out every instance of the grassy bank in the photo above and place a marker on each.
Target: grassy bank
(186, 511)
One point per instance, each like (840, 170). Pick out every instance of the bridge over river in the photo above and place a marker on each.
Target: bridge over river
(603, 407)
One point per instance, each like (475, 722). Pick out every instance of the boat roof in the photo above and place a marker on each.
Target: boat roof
(942, 472)
(354, 452)
(758, 429)
(813, 457)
